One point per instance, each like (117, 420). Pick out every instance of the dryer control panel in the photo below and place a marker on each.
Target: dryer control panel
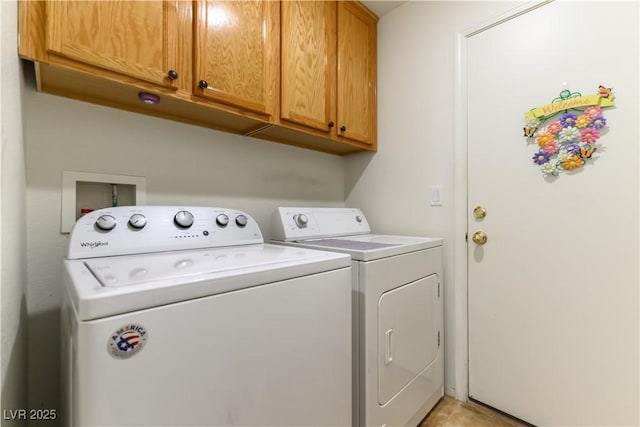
(143, 229)
(294, 224)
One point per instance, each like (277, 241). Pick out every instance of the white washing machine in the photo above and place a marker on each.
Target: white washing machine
(182, 316)
(397, 306)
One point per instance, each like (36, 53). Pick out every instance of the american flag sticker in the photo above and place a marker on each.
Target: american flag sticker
(127, 341)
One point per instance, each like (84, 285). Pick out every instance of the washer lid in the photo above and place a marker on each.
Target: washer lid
(189, 265)
(368, 247)
(112, 285)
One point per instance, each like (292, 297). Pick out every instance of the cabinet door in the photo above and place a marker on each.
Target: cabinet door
(236, 53)
(356, 95)
(134, 38)
(308, 63)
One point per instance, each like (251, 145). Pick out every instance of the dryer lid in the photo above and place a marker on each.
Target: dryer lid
(351, 244)
(369, 247)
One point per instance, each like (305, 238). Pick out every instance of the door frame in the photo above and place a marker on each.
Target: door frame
(460, 261)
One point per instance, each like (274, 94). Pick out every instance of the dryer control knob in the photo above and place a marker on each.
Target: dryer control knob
(138, 221)
(183, 219)
(222, 220)
(301, 220)
(241, 220)
(106, 222)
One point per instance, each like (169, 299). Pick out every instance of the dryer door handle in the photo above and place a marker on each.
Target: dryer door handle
(388, 347)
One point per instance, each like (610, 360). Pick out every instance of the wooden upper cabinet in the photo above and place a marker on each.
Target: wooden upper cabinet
(134, 38)
(357, 38)
(300, 72)
(328, 70)
(236, 50)
(308, 63)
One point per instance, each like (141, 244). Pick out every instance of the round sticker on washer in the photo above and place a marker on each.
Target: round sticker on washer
(127, 341)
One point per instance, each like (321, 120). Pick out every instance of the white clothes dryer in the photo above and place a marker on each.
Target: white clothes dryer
(182, 316)
(397, 311)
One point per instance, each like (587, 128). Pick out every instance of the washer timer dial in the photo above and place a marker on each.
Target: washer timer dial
(183, 219)
(106, 222)
(241, 220)
(301, 220)
(138, 221)
(222, 220)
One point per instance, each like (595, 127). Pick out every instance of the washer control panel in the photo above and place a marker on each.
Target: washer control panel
(294, 224)
(143, 229)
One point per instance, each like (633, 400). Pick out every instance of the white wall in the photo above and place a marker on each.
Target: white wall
(183, 164)
(416, 66)
(12, 217)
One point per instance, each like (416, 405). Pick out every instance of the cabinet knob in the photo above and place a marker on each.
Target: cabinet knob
(331, 124)
(203, 84)
(172, 74)
(343, 128)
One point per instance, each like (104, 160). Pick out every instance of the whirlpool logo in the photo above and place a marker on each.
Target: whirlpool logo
(93, 245)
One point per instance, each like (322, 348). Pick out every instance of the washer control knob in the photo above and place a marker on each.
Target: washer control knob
(301, 220)
(138, 221)
(183, 219)
(359, 218)
(106, 222)
(241, 220)
(222, 220)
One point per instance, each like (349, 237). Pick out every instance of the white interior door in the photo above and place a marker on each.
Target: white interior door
(553, 294)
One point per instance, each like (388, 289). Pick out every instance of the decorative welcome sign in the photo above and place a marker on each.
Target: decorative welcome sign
(567, 143)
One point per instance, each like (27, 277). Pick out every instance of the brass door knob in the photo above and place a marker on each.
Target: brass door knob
(479, 238)
(479, 212)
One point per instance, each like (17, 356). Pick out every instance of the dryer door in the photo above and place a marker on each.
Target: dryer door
(407, 335)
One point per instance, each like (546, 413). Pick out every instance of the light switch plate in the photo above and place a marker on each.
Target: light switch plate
(436, 195)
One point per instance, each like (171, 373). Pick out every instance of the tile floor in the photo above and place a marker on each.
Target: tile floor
(452, 413)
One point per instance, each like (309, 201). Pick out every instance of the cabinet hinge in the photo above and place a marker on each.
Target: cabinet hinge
(466, 237)
(438, 338)
(438, 290)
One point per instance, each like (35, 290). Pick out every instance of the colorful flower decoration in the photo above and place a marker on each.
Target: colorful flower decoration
(598, 122)
(573, 162)
(589, 135)
(568, 120)
(583, 121)
(545, 138)
(549, 169)
(554, 127)
(551, 148)
(541, 157)
(567, 143)
(571, 148)
(569, 134)
(593, 111)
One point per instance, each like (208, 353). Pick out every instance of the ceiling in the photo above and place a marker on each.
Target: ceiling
(382, 7)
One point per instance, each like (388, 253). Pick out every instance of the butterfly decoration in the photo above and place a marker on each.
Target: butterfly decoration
(529, 131)
(604, 92)
(586, 151)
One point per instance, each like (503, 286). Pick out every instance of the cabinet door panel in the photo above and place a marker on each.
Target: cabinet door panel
(236, 47)
(356, 73)
(308, 67)
(135, 38)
